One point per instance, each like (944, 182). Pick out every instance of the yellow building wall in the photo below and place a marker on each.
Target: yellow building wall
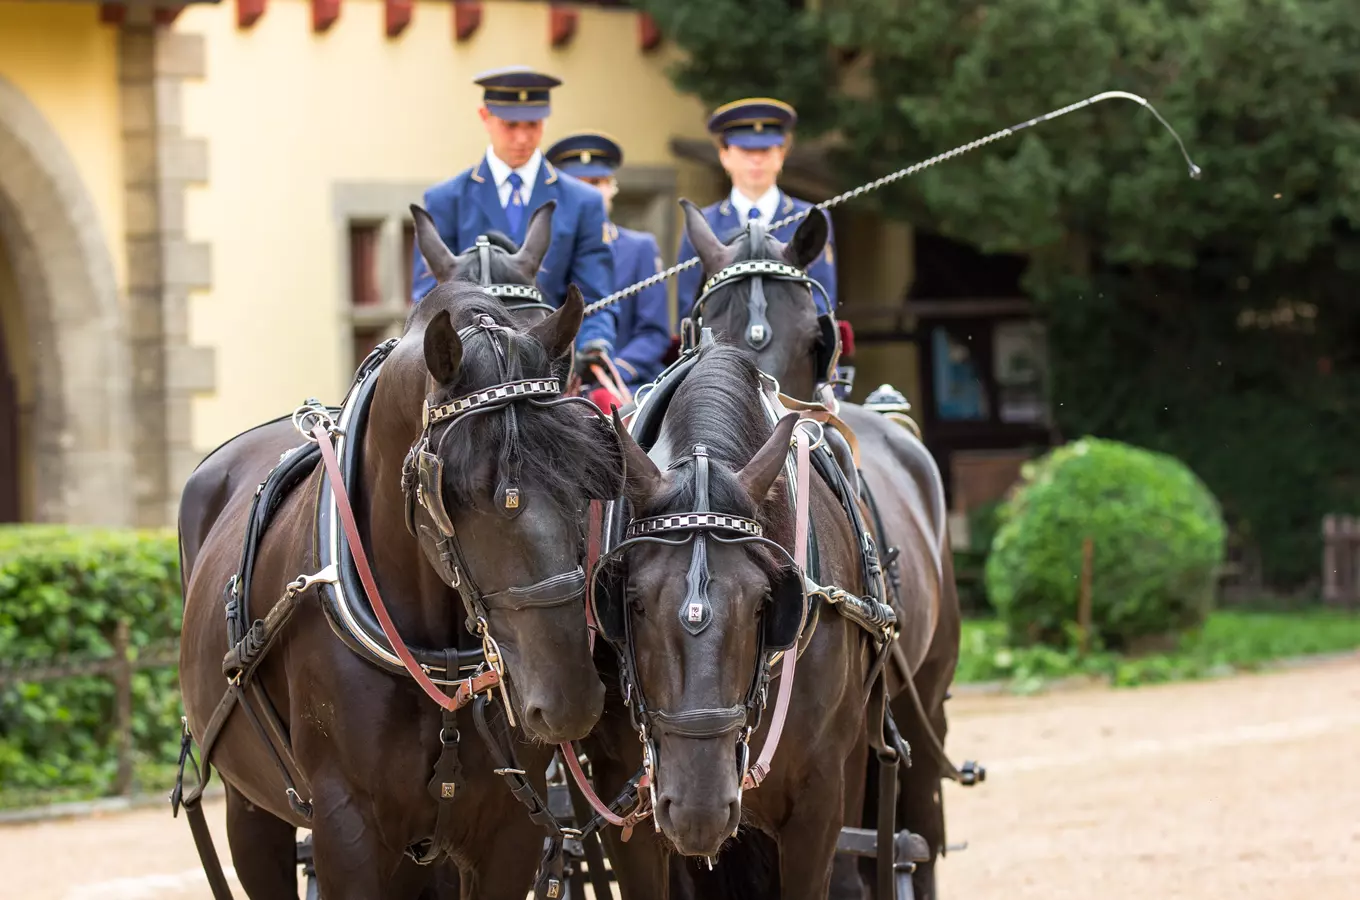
(66, 62)
(287, 114)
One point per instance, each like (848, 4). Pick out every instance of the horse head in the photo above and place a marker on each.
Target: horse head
(499, 470)
(741, 306)
(506, 271)
(698, 596)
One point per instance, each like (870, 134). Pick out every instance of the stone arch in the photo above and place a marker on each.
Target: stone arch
(80, 431)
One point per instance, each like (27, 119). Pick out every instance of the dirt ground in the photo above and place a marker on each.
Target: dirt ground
(1242, 788)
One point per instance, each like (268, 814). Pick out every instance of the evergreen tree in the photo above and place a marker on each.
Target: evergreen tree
(1212, 319)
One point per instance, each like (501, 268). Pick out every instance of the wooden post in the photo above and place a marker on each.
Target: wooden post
(122, 712)
(1084, 598)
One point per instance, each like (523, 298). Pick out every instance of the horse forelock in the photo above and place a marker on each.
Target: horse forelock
(718, 405)
(561, 454)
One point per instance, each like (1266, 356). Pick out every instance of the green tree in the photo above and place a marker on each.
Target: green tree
(1210, 319)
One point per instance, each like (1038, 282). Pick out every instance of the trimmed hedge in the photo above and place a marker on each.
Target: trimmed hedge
(62, 592)
(1158, 537)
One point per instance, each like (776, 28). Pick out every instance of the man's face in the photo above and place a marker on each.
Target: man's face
(512, 142)
(753, 172)
(607, 187)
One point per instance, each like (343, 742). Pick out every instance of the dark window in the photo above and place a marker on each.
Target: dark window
(363, 265)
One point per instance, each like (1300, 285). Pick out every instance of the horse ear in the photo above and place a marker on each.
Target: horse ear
(711, 251)
(537, 239)
(443, 348)
(759, 475)
(642, 479)
(557, 333)
(437, 254)
(808, 241)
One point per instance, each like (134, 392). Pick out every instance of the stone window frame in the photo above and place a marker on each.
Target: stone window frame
(386, 206)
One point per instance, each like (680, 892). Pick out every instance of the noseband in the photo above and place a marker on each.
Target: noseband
(514, 297)
(422, 482)
(696, 614)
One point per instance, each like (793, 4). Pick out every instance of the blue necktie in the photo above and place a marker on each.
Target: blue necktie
(514, 210)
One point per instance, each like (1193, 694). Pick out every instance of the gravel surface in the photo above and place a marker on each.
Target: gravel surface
(1241, 788)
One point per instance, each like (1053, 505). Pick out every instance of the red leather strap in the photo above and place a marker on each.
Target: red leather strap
(610, 379)
(594, 535)
(588, 791)
(757, 772)
(468, 687)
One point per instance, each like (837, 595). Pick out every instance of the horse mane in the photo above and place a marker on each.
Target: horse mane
(560, 451)
(718, 405)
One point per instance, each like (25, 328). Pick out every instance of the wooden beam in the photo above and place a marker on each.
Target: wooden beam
(324, 14)
(467, 18)
(649, 33)
(112, 13)
(248, 12)
(396, 16)
(166, 15)
(561, 24)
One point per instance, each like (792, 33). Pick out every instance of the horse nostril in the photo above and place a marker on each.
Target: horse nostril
(663, 811)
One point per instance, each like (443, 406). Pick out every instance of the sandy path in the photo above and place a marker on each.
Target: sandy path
(1242, 788)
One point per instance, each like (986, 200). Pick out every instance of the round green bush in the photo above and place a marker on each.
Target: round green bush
(1157, 535)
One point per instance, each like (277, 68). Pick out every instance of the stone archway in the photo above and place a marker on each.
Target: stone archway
(80, 431)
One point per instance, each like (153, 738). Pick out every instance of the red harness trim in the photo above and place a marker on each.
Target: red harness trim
(468, 688)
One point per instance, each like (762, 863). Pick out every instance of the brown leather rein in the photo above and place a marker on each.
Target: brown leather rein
(468, 688)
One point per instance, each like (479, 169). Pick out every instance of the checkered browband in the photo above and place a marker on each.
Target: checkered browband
(498, 395)
(519, 291)
(754, 267)
(693, 522)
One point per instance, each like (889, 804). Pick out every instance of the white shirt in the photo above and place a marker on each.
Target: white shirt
(768, 204)
(501, 173)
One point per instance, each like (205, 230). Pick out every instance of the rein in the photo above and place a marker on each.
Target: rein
(757, 772)
(469, 687)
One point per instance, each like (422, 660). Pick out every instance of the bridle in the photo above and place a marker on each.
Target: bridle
(514, 297)
(422, 483)
(759, 331)
(780, 626)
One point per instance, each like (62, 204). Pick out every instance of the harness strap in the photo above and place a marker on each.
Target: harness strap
(594, 533)
(761, 768)
(604, 812)
(468, 687)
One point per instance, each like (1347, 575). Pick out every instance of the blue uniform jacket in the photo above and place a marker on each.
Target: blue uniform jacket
(725, 222)
(644, 333)
(468, 205)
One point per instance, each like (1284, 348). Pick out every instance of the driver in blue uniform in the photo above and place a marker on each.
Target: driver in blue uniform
(644, 332)
(753, 135)
(507, 185)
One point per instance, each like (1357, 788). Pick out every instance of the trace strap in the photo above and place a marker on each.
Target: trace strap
(469, 687)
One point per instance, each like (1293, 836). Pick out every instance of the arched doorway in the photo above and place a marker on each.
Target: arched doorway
(12, 507)
(71, 460)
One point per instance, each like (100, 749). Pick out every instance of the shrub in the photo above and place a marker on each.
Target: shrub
(62, 592)
(1158, 539)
